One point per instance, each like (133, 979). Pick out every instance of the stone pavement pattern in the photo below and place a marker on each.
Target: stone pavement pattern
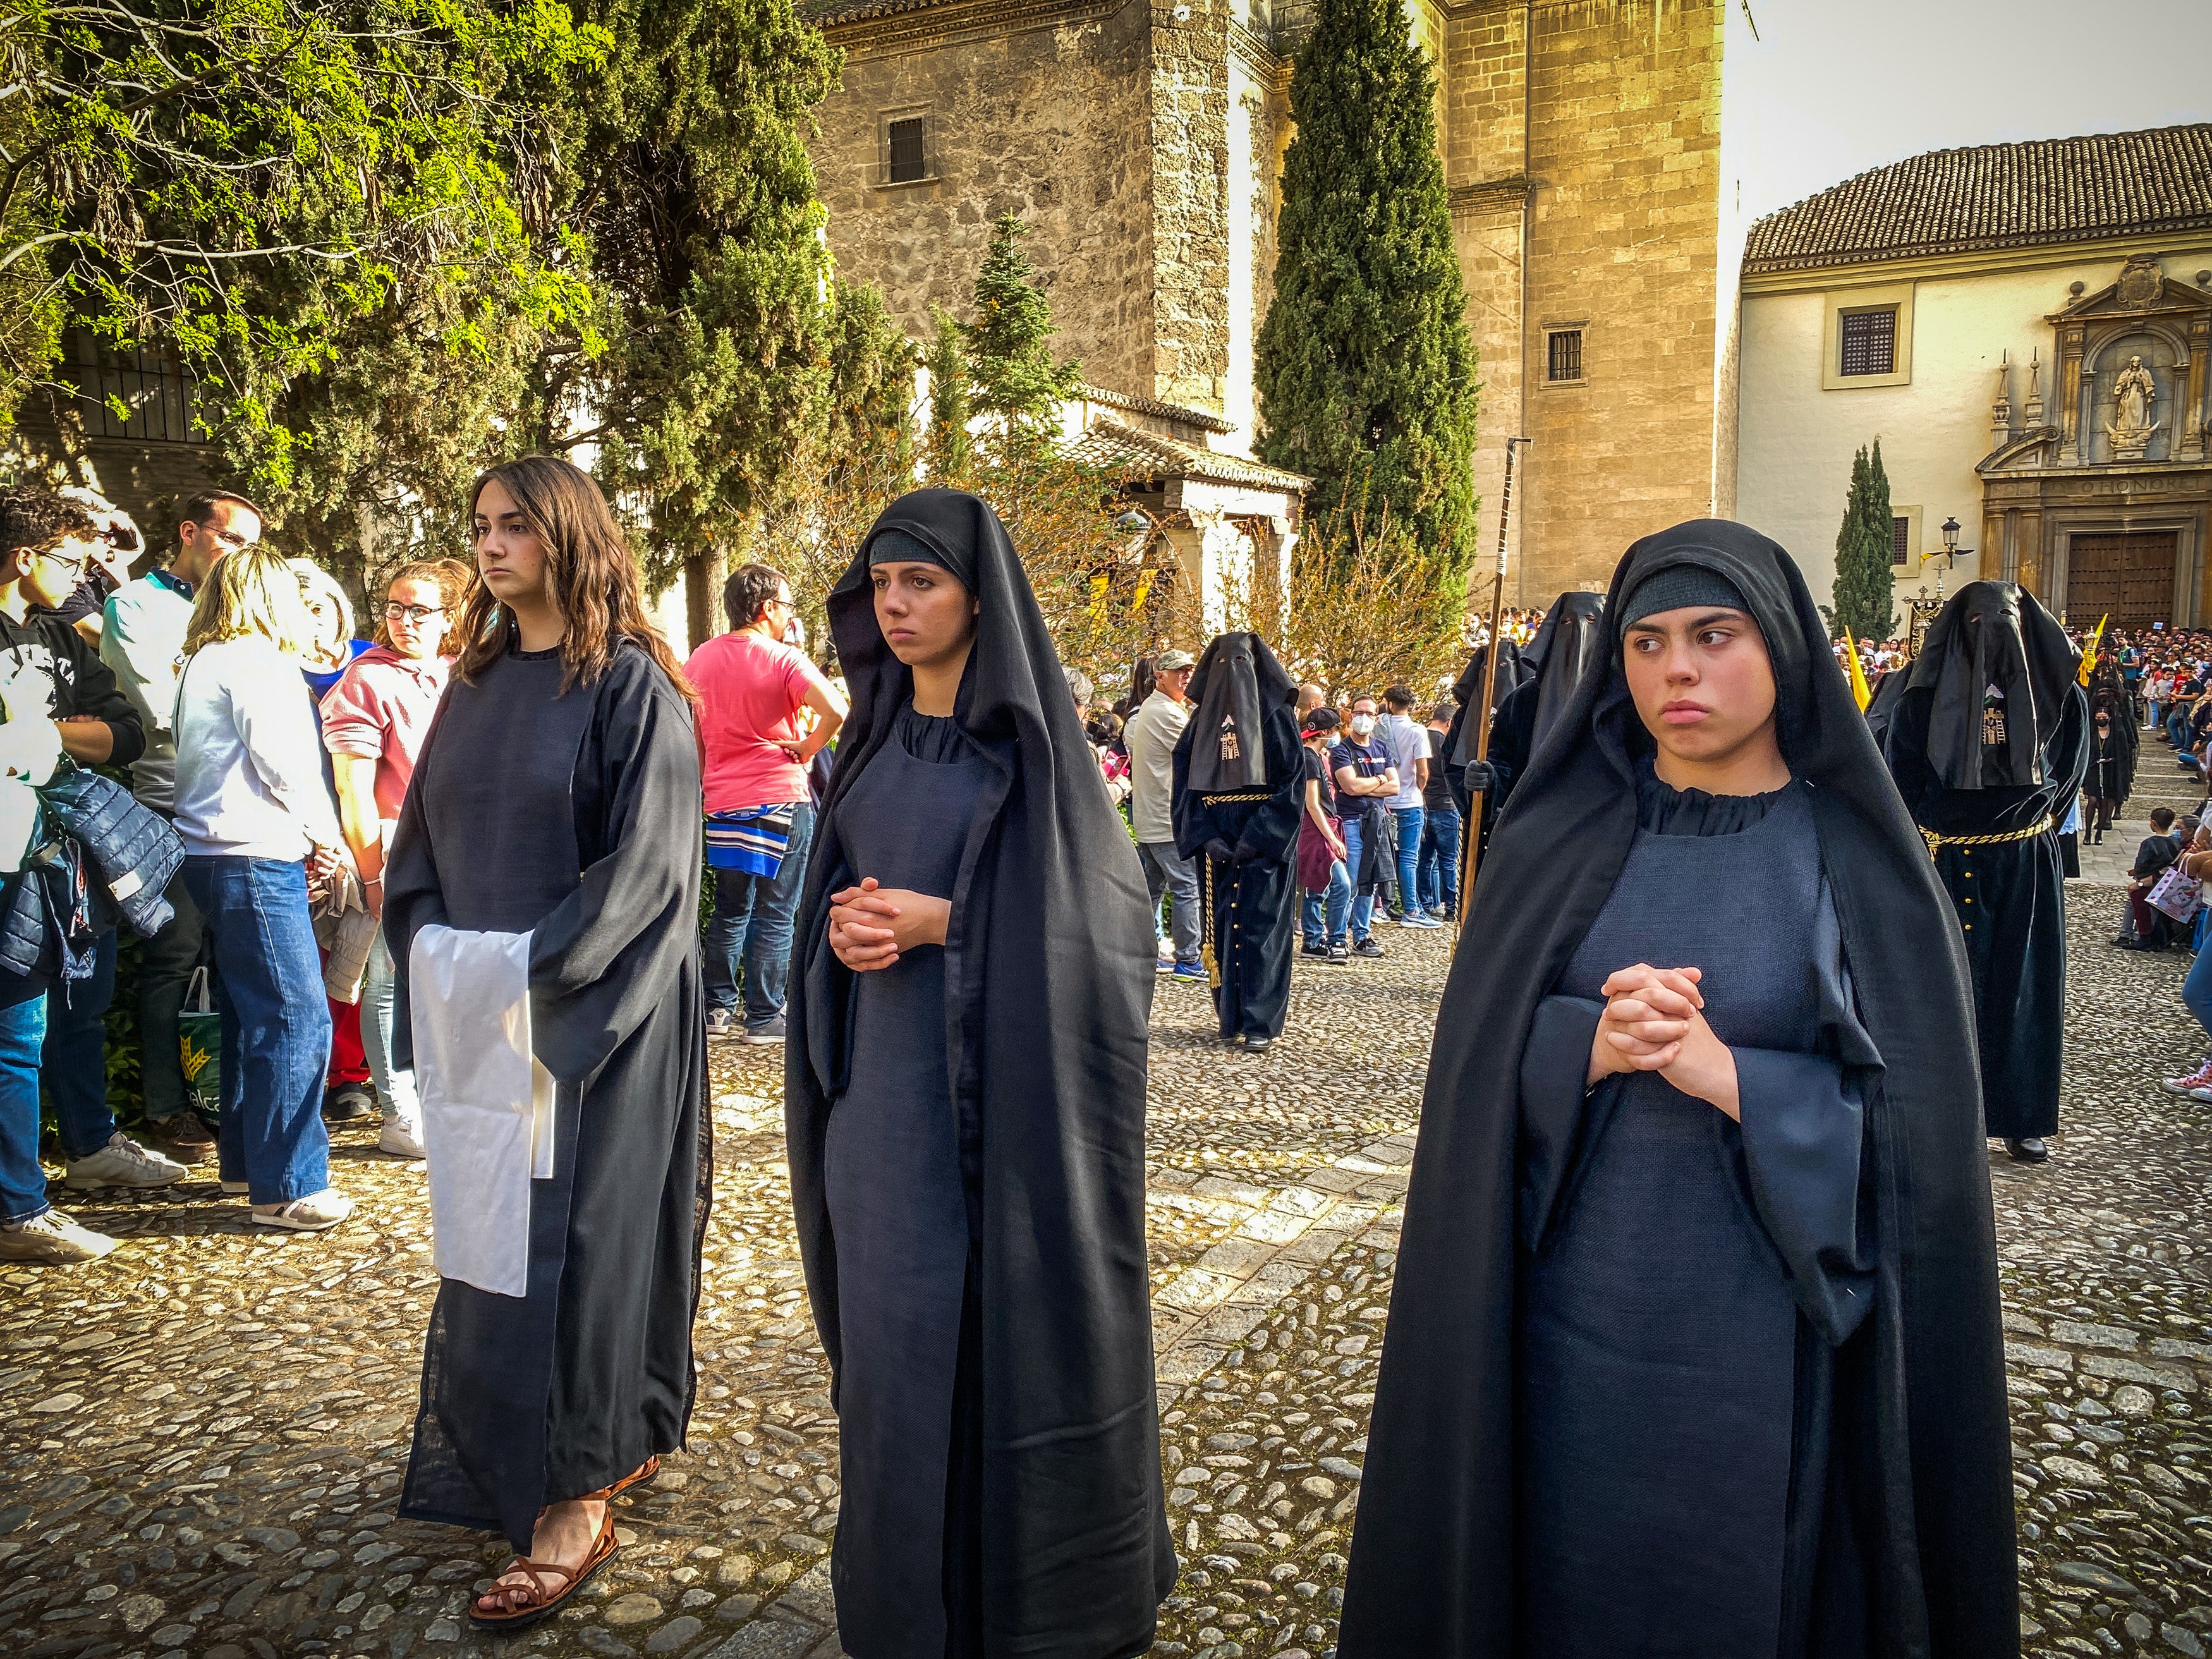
(206, 1432)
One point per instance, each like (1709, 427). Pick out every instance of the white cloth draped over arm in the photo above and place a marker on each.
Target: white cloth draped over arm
(487, 1102)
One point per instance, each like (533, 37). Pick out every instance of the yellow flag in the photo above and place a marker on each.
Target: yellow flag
(2089, 656)
(1859, 691)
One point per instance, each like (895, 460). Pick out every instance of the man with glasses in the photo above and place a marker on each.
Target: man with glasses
(754, 692)
(54, 1031)
(143, 640)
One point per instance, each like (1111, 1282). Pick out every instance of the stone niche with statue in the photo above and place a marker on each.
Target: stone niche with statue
(2097, 491)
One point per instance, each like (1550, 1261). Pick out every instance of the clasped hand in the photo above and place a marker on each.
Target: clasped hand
(870, 925)
(1655, 1021)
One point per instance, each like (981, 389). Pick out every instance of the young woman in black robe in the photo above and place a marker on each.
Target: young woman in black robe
(557, 795)
(1239, 787)
(1694, 1348)
(966, 1112)
(1988, 743)
(2109, 777)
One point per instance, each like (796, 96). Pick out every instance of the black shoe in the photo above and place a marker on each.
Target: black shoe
(2029, 1148)
(1367, 947)
(1319, 952)
(1257, 1045)
(2128, 942)
(347, 1101)
(1338, 956)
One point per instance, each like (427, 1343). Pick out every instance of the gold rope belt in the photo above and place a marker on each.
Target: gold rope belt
(1937, 843)
(1249, 794)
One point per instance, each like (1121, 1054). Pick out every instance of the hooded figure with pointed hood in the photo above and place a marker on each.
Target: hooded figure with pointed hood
(1573, 632)
(1695, 1343)
(1988, 743)
(1238, 786)
(964, 1107)
(1458, 744)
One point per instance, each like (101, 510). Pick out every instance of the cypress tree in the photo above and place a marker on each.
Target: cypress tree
(1365, 368)
(1010, 369)
(948, 399)
(1863, 591)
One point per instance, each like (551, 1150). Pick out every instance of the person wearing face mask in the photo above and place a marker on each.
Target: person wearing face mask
(1695, 1346)
(374, 719)
(2110, 775)
(1366, 782)
(964, 1091)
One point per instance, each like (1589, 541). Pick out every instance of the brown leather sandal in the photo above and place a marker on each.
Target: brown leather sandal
(541, 1603)
(642, 1473)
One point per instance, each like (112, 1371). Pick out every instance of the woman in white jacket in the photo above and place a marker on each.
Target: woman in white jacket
(256, 820)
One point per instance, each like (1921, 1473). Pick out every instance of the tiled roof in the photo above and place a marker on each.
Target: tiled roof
(1998, 196)
(1154, 408)
(822, 13)
(1131, 452)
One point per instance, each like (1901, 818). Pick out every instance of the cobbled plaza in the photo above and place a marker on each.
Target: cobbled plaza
(207, 1430)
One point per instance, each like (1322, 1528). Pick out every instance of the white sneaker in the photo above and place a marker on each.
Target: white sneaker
(314, 1213)
(52, 1239)
(402, 1139)
(122, 1163)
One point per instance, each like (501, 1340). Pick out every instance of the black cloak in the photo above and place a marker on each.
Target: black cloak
(1458, 744)
(1048, 980)
(1573, 633)
(2111, 771)
(1919, 1458)
(2009, 895)
(1239, 790)
(573, 816)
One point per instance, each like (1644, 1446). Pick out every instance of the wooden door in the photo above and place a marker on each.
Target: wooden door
(2128, 577)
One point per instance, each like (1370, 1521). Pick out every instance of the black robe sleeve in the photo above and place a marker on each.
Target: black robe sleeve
(414, 897)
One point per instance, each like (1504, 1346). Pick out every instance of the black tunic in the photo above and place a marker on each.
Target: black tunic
(899, 1208)
(574, 817)
(1662, 1460)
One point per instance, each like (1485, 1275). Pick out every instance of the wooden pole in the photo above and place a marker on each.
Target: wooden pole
(1471, 832)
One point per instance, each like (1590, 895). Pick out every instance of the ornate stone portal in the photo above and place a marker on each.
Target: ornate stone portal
(2107, 508)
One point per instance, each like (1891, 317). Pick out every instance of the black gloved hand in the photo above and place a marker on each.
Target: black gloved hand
(1480, 777)
(1220, 851)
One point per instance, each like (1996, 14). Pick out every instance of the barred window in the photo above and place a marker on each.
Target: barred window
(1564, 358)
(1869, 342)
(146, 381)
(1900, 536)
(907, 161)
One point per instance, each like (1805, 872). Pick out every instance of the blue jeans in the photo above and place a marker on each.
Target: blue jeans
(276, 1024)
(1320, 910)
(73, 1057)
(1409, 856)
(22, 1032)
(1439, 875)
(1167, 870)
(2176, 727)
(752, 922)
(2197, 989)
(1363, 895)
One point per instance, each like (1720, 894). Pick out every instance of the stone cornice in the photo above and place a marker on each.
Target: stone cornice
(1488, 195)
(1257, 55)
(893, 27)
(1796, 277)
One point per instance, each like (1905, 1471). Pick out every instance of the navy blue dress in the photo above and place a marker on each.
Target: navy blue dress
(899, 1211)
(1667, 1470)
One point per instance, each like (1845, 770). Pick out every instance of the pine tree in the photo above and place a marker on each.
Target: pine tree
(1013, 376)
(1863, 591)
(1365, 368)
(948, 399)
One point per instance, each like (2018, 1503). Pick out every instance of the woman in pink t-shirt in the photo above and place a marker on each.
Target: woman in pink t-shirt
(374, 723)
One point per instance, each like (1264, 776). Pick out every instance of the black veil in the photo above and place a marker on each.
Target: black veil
(1236, 681)
(1920, 1465)
(1993, 635)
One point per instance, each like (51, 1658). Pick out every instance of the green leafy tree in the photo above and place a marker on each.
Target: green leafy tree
(1863, 591)
(1365, 368)
(949, 411)
(1011, 371)
(868, 404)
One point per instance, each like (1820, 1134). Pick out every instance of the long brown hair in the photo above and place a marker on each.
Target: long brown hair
(594, 576)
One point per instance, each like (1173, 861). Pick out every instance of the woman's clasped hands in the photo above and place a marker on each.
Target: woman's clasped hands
(1655, 1021)
(870, 924)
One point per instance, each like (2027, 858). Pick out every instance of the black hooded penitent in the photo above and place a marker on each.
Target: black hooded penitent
(1238, 790)
(1055, 1524)
(1573, 634)
(1900, 1538)
(1458, 744)
(1991, 737)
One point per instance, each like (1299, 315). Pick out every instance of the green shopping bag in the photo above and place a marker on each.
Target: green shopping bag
(199, 1046)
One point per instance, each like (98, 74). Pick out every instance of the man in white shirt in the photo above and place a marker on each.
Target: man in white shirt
(1409, 748)
(1155, 727)
(143, 640)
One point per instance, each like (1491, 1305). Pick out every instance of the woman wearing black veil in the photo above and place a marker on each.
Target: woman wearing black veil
(1988, 744)
(1695, 1348)
(2109, 777)
(965, 1115)
(1238, 790)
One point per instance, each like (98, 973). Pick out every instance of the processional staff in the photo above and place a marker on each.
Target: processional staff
(1474, 830)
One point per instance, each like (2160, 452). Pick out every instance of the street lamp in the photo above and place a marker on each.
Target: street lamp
(1925, 609)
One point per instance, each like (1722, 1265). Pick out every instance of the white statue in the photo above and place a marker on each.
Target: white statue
(2133, 393)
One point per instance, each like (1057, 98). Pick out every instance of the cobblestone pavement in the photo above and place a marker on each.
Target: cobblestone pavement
(205, 1432)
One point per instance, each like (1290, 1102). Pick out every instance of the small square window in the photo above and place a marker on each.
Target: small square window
(1869, 342)
(1900, 540)
(908, 162)
(1563, 354)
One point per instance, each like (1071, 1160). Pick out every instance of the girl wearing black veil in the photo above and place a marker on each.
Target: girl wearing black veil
(1238, 790)
(1694, 1348)
(965, 1113)
(2109, 777)
(1988, 744)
